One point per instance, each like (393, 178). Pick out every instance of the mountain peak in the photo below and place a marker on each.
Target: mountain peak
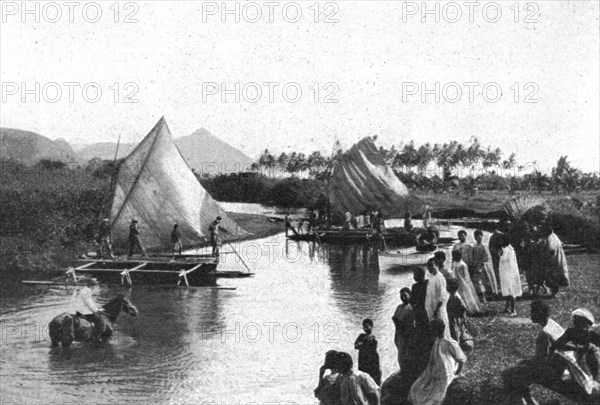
(203, 132)
(206, 153)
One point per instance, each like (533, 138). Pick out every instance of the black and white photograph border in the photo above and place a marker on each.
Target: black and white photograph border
(300, 202)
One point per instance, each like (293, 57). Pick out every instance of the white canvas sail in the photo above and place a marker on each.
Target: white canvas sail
(362, 179)
(156, 186)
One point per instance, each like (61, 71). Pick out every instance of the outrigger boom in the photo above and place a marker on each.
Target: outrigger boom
(192, 270)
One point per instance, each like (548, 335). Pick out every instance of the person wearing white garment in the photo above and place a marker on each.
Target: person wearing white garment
(510, 280)
(436, 296)
(88, 309)
(466, 289)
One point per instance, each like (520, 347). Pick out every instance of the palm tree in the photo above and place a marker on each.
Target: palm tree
(282, 160)
(565, 177)
(491, 157)
(315, 163)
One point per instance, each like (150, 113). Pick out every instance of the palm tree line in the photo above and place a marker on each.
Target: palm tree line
(442, 168)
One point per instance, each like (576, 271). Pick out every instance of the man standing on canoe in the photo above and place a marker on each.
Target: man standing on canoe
(176, 241)
(135, 239)
(215, 241)
(104, 238)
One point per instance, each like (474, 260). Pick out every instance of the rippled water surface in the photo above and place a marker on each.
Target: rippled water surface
(262, 342)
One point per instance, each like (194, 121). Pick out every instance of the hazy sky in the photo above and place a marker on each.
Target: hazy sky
(367, 58)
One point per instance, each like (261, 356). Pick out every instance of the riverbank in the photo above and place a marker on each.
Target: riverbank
(502, 341)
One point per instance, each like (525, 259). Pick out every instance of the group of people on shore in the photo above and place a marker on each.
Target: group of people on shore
(433, 330)
(135, 243)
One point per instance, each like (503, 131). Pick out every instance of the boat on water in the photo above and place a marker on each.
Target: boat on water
(409, 257)
(361, 181)
(353, 236)
(155, 186)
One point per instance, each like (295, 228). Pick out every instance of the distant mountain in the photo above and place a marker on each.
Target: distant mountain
(203, 151)
(29, 148)
(206, 153)
(104, 150)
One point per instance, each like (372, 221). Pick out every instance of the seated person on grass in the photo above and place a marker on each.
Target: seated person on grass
(547, 367)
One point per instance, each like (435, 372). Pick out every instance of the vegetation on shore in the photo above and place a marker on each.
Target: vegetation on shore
(51, 211)
(448, 167)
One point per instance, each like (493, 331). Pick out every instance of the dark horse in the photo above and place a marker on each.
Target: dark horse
(66, 328)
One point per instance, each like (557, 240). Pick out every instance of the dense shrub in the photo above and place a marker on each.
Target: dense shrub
(49, 212)
(257, 188)
(246, 187)
(295, 192)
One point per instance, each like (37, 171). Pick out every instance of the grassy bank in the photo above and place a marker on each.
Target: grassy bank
(501, 343)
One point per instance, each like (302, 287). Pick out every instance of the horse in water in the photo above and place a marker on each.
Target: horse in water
(66, 328)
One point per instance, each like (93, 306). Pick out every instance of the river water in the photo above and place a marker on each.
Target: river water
(260, 342)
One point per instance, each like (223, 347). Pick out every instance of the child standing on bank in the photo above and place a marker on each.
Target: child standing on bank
(510, 280)
(368, 358)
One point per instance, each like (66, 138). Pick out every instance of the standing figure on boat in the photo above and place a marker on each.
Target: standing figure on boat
(427, 219)
(347, 225)
(87, 308)
(215, 241)
(360, 220)
(105, 239)
(176, 241)
(135, 239)
(310, 220)
(408, 226)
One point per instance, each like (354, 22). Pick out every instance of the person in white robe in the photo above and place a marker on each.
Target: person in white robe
(466, 289)
(436, 296)
(510, 280)
(446, 362)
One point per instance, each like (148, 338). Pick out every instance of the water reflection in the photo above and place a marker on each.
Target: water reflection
(202, 344)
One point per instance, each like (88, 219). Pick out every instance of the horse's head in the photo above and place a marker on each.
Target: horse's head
(127, 306)
(118, 304)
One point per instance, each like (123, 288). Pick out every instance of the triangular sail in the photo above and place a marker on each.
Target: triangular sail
(156, 186)
(361, 179)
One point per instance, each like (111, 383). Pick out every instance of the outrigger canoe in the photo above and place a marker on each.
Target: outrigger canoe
(155, 186)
